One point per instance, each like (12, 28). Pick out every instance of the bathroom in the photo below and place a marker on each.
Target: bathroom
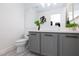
(39, 29)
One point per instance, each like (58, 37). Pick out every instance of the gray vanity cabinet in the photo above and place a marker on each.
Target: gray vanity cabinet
(69, 44)
(49, 44)
(34, 42)
(53, 44)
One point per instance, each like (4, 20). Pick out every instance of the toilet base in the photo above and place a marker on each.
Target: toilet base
(20, 49)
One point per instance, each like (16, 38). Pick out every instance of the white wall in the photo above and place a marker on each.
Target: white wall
(30, 16)
(11, 24)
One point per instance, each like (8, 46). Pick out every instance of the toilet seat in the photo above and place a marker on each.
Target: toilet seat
(21, 40)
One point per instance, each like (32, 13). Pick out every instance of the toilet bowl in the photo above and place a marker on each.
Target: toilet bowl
(21, 45)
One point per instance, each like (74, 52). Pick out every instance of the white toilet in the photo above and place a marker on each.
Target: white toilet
(21, 45)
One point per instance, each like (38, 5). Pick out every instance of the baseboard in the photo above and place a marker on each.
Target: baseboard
(4, 51)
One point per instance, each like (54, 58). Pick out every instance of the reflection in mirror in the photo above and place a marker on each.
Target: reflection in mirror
(51, 23)
(72, 10)
(57, 24)
(71, 16)
(56, 19)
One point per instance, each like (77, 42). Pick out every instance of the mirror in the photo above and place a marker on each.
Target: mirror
(71, 16)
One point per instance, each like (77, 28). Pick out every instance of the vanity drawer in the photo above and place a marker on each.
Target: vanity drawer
(70, 36)
(34, 42)
(49, 44)
(69, 44)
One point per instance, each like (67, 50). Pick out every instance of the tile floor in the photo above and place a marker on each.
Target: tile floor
(25, 53)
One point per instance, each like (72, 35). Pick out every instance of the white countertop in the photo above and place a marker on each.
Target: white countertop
(59, 31)
(54, 29)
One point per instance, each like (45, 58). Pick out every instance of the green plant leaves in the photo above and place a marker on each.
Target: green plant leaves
(37, 22)
(72, 25)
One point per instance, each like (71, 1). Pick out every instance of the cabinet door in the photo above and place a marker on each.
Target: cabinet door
(49, 44)
(69, 45)
(34, 42)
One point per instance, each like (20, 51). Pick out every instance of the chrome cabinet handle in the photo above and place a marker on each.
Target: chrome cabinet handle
(72, 36)
(32, 34)
(48, 35)
(28, 35)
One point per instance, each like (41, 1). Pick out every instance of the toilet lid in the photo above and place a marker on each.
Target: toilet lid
(22, 40)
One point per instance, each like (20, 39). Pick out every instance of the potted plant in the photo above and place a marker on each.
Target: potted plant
(37, 22)
(72, 25)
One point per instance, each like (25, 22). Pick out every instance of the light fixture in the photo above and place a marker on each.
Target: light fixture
(42, 4)
(54, 3)
(46, 4)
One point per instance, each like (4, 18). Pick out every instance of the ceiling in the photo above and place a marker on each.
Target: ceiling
(38, 7)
